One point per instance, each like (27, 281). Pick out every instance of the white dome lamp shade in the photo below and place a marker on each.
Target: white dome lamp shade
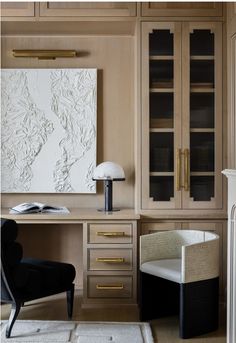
(108, 172)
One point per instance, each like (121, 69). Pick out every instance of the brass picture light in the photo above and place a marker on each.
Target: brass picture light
(45, 54)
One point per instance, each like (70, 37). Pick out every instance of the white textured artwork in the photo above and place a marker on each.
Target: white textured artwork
(48, 130)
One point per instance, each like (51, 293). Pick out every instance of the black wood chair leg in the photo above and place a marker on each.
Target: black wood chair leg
(13, 315)
(199, 304)
(70, 301)
(158, 297)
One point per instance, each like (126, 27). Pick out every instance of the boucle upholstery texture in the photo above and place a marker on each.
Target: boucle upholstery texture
(198, 251)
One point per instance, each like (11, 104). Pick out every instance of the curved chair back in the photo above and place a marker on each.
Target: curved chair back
(168, 244)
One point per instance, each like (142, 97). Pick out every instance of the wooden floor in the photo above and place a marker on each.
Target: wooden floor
(54, 308)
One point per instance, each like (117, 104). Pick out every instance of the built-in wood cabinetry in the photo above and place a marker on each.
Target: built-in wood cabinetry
(110, 262)
(203, 9)
(160, 117)
(17, 9)
(71, 9)
(181, 115)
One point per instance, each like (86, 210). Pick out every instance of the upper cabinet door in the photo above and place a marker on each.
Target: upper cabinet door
(161, 115)
(202, 114)
(17, 9)
(84, 9)
(196, 9)
(181, 116)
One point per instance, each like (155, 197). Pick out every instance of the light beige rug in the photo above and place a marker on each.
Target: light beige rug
(39, 331)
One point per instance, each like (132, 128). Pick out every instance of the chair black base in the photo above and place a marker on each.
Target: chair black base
(158, 297)
(199, 307)
(196, 303)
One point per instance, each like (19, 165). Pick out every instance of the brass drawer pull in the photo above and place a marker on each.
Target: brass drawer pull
(113, 234)
(111, 286)
(110, 259)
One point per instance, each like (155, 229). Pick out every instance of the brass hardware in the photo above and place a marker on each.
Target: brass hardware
(178, 167)
(44, 54)
(186, 169)
(111, 286)
(116, 234)
(110, 259)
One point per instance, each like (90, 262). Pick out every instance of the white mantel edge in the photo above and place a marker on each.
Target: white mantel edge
(231, 254)
(229, 172)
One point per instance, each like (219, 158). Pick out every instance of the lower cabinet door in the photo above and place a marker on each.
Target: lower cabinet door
(160, 226)
(110, 286)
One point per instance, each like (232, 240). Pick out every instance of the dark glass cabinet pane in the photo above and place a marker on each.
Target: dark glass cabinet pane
(202, 152)
(202, 188)
(161, 110)
(161, 43)
(202, 72)
(161, 152)
(201, 43)
(202, 110)
(161, 188)
(161, 74)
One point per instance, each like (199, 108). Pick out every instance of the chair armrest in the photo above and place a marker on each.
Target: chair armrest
(200, 261)
(160, 245)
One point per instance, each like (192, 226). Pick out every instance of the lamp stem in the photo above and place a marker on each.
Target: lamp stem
(108, 195)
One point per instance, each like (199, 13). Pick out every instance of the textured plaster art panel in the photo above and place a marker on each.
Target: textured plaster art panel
(48, 130)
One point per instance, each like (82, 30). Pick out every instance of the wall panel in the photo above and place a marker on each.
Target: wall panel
(113, 57)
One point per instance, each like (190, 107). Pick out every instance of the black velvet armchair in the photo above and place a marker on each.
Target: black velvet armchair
(26, 279)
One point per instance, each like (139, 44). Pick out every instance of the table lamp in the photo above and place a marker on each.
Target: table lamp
(108, 172)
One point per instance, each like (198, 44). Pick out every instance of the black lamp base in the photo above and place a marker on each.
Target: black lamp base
(105, 211)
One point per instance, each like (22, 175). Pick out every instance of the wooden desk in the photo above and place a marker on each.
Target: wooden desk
(109, 252)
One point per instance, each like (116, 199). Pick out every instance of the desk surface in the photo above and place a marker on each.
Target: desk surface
(76, 215)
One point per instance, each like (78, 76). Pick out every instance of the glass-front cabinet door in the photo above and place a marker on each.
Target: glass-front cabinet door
(181, 115)
(161, 124)
(202, 114)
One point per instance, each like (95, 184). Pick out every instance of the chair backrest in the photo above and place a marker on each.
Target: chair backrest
(168, 244)
(11, 255)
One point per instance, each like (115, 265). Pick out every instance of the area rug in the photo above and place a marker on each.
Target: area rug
(40, 331)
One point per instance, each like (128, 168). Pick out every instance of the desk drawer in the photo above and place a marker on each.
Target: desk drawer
(110, 286)
(110, 233)
(110, 259)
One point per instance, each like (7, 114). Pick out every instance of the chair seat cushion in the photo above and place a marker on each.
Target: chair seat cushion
(47, 277)
(169, 269)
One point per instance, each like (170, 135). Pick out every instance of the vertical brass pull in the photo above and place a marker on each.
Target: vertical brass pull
(178, 169)
(186, 170)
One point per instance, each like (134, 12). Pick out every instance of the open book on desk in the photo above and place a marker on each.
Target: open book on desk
(37, 207)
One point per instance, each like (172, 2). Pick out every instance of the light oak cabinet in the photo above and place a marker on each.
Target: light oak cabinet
(181, 115)
(93, 9)
(17, 9)
(203, 9)
(110, 263)
(217, 227)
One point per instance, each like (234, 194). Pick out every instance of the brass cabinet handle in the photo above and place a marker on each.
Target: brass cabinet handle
(186, 169)
(178, 169)
(113, 234)
(110, 259)
(110, 286)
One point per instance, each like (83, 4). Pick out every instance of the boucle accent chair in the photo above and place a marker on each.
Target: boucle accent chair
(27, 279)
(180, 275)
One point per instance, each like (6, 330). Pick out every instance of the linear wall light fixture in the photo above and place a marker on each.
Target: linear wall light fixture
(44, 54)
